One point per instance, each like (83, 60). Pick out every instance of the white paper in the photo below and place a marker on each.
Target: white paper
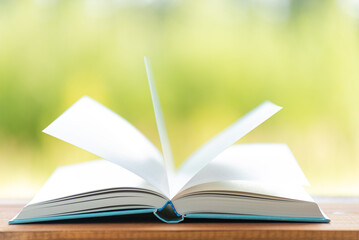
(247, 198)
(87, 177)
(222, 141)
(165, 143)
(91, 126)
(250, 188)
(256, 162)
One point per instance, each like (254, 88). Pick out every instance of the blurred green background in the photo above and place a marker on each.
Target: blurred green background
(213, 61)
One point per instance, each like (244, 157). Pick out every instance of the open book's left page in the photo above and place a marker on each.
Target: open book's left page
(91, 126)
(87, 177)
(94, 187)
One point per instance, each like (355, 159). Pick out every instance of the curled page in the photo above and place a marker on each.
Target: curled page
(253, 162)
(222, 141)
(165, 143)
(91, 126)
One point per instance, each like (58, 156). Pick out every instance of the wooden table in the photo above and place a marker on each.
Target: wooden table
(344, 213)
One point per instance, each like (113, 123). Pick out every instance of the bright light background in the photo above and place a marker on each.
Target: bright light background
(213, 61)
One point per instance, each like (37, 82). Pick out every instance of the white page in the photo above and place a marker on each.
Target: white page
(87, 177)
(251, 188)
(248, 198)
(165, 143)
(91, 126)
(222, 141)
(271, 163)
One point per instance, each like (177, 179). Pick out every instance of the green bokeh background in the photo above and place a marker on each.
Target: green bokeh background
(213, 61)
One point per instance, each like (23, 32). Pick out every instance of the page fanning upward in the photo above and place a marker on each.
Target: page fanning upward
(91, 126)
(222, 141)
(165, 143)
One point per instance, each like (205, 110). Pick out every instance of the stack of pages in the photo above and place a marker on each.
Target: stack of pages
(259, 181)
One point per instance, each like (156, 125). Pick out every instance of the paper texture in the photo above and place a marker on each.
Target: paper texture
(87, 177)
(222, 141)
(267, 190)
(96, 129)
(165, 143)
(271, 163)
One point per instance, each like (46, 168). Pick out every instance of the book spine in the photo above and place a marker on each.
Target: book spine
(168, 213)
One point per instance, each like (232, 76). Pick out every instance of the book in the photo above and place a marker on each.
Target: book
(220, 180)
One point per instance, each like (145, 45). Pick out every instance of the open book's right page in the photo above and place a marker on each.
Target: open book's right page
(209, 151)
(270, 163)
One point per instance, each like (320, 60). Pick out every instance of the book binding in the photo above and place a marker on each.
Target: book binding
(168, 213)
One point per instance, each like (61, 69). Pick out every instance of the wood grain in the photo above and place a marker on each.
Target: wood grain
(344, 225)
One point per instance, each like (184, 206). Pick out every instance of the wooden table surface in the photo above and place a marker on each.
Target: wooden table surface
(343, 212)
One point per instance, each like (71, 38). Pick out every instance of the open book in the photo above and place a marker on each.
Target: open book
(260, 181)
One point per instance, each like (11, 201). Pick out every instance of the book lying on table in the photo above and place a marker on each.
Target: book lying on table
(259, 181)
